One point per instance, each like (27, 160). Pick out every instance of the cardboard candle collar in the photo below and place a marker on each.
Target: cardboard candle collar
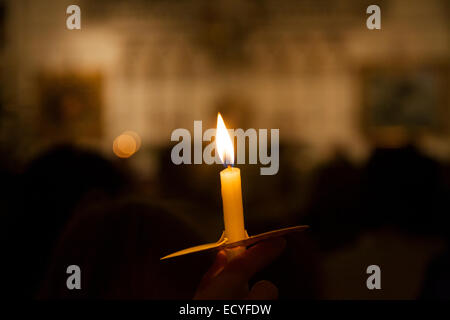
(223, 242)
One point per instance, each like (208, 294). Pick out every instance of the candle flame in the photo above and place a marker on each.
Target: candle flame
(224, 144)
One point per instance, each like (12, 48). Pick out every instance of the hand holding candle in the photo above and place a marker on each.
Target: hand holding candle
(229, 279)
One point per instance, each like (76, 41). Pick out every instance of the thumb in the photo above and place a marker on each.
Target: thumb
(263, 290)
(216, 268)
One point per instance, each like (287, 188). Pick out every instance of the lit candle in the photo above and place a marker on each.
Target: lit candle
(235, 237)
(230, 179)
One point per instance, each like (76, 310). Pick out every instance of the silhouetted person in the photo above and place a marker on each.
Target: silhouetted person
(397, 187)
(118, 247)
(404, 188)
(51, 188)
(398, 191)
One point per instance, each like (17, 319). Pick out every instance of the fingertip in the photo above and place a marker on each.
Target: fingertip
(221, 257)
(263, 290)
(219, 263)
(221, 253)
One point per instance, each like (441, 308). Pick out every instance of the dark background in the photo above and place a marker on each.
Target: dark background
(86, 117)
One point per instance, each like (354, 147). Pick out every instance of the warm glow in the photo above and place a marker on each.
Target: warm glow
(126, 144)
(224, 144)
(135, 136)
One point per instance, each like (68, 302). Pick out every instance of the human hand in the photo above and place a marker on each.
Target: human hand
(229, 280)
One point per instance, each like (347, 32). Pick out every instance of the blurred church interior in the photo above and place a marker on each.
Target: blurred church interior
(364, 120)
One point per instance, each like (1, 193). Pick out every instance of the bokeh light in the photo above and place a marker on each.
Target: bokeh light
(126, 144)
